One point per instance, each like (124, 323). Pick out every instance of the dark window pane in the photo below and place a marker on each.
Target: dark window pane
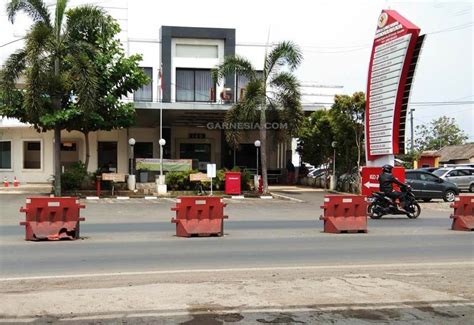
(32, 155)
(184, 85)
(200, 151)
(5, 155)
(145, 93)
(143, 150)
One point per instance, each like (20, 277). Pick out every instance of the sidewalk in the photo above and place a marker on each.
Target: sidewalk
(27, 188)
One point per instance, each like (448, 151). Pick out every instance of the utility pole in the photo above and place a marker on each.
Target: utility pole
(412, 133)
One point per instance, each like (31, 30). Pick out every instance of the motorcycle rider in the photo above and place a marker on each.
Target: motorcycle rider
(386, 181)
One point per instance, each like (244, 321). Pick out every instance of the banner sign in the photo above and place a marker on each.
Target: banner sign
(392, 62)
(169, 165)
(370, 178)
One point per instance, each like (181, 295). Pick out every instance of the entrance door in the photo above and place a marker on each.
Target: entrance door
(107, 156)
(69, 154)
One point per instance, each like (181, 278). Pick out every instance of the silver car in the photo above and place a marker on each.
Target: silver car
(463, 177)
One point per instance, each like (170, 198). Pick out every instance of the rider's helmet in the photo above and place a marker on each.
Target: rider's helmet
(387, 168)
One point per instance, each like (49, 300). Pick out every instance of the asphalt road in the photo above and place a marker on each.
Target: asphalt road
(274, 265)
(137, 235)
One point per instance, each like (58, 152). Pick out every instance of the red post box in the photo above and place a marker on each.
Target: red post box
(232, 183)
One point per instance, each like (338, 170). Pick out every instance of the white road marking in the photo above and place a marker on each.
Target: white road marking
(151, 198)
(287, 197)
(250, 269)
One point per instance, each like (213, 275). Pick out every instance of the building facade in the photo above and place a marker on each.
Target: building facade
(192, 106)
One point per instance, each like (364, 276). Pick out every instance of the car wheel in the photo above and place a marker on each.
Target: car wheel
(449, 196)
(426, 200)
(471, 188)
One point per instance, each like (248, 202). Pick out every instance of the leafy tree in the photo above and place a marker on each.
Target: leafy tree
(117, 75)
(274, 95)
(348, 116)
(439, 133)
(56, 69)
(317, 135)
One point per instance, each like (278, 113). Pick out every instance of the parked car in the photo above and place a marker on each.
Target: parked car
(428, 169)
(463, 177)
(427, 186)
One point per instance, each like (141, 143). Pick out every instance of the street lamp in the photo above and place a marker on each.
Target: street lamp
(257, 145)
(333, 177)
(162, 142)
(131, 142)
(131, 182)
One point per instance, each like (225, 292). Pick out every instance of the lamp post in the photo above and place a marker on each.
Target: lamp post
(257, 144)
(162, 142)
(333, 177)
(131, 142)
(131, 178)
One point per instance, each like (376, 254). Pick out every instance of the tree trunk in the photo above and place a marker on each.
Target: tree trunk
(57, 161)
(57, 139)
(88, 155)
(263, 151)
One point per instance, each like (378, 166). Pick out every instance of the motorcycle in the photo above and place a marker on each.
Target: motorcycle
(381, 205)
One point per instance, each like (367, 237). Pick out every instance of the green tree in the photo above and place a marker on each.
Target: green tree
(56, 69)
(117, 75)
(348, 116)
(439, 133)
(273, 94)
(317, 136)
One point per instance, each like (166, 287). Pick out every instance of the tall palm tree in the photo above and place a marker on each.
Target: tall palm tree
(56, 68)
(274, 93)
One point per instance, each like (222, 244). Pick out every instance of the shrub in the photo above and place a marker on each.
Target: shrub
(73, 178)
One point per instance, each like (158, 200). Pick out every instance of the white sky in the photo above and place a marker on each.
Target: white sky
(335, 36)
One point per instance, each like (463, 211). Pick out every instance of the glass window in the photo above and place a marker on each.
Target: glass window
(196, 51)
(200, 151)
(143, 150)
(194, 85)
(32, 154)
(428, 177)
(145, 93)
(412, 176)
(5, 155)
(242, 82)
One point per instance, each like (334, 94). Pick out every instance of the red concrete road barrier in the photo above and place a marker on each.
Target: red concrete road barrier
(199, 216)
(344, 213)
(52, 218)
(463, 216)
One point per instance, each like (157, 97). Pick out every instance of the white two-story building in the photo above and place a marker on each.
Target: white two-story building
(192, 105)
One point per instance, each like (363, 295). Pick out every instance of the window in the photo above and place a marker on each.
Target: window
(143, 150)
(242, 82)
(200, 151)
(194, 85)
(5, 155)
(145, 93)
(196, 51)
(428, 177)
(32, 154)
(412, 176)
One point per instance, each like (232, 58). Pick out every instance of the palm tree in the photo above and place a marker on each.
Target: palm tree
(274, 93)
(56, 67)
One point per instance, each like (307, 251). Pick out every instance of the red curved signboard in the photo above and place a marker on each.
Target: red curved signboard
(392, 63)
